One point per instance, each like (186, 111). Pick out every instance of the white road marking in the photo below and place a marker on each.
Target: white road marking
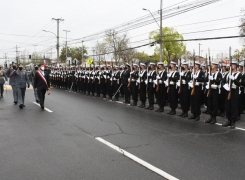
(44, 108)
(138, 160)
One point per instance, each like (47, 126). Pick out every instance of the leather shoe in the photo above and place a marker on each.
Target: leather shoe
(192, 116)
(209, 120)
(133, 104)
(197, 118)
(147, 107)
(151, 108)
(233, 124)
(213, 120)
(185, 115)
(222, 114)
(20, 106)
(205, 111)
(228, 123)
(169, 112)
(172, 113)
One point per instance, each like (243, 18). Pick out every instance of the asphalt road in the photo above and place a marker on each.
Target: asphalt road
(37, 144)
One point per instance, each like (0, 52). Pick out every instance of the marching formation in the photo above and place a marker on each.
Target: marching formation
(220, 89)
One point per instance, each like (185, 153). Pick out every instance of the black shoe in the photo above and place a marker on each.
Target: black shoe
(209, 120)
(197, 118)
(228, 123)
(233, 124)
(151, 108)
(169, 112)
(42, 107)
(213, 120)
(192, 117)
(37, 101)
(238, 118)
(147, 107)
(1, 96)
(133, 104)
(181, 113)
(159, 110)
(20, 106)
(116, 99)
(23, 105)
(15, 102)
(185, 115)
(173, 112)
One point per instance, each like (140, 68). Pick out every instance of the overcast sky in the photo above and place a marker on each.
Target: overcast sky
(22, 22)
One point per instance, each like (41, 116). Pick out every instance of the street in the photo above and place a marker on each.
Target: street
(62, 143)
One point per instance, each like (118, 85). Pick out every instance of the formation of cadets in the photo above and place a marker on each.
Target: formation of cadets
(220, 89)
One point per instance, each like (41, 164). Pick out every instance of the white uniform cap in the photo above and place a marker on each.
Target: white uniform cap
(185, 63)
(215, 63)
(172, 62)
(152, 63)
(160, 63)
(136, 65)
(142, 64)
(198, 63)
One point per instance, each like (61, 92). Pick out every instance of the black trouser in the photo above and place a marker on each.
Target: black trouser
(109, 88)
(223, 96)
(241, 101)
(185, 98)
(126, 93)
(41, 95)
(213, 102)
(134, 91)
(143, 92)
(196, 101)
(1, 89)
(161, 95)
(92, 87)
(151, 93)
(88, 87)
(116, 89)
(231, 105)
(103, 87)
(97, 87)
(173, 97)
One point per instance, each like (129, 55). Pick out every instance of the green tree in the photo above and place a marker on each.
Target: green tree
(171, 48)
(73, 52)
(239, 54)
(242, 26)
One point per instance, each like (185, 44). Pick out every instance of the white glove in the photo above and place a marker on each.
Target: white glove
(131, 72)
(155, 81)
(207, 87)
(226, 87)
(195, 76)
(138, 81)
(148, 74)
(104, 76)
(178, 83)
(166, 83)
(181, 74)
(231, 77)
(169, 75)
(210, 78)
(140, 75)
(190, 85)
(158, 77)
(146, 82)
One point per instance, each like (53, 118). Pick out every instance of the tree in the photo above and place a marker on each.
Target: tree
(238, 54)
(171, 48)
(73, 52)
(119, 45)
(242, 26)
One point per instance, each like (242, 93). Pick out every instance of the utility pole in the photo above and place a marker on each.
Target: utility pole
(66, 42)
(58, 46)
(82, 52)
(5, 59)
(161, 60)
(17, 54)
(199, 50)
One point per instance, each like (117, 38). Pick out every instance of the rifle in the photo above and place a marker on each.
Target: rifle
(89, 73)
(209, 82)
(106, 72)
(168, 79)
(129, 84)
(180, 87)
(99, 72)
(85, 73)
(194, 80)
(93, 72)
(229, 95)
(112, 73)
(157, 88)
(139, 76)
(147, 70)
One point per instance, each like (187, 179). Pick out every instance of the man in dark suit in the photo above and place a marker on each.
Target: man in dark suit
(125, 77)
(41, 84)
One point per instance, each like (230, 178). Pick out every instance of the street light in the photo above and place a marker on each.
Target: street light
(57, 46)
(160, 26)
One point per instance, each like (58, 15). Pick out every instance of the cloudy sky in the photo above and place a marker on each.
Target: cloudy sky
(22, 22)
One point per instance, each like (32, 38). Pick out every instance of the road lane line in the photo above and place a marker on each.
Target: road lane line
(138, 160)
(44, 107)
